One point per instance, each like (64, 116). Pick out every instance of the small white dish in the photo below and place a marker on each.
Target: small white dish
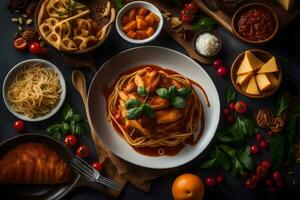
(138, 4)
(11, 75)
(168, 59)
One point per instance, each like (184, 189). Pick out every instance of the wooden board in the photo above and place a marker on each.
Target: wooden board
(285, 17)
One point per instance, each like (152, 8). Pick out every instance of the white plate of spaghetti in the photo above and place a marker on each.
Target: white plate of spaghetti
(34, 90)
(154, 107)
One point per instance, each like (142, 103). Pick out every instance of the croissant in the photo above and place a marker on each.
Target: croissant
(33, 163)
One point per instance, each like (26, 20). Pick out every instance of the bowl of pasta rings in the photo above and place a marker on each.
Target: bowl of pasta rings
(34, 90)
(74, 26)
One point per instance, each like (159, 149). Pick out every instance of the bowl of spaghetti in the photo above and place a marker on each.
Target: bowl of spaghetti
(154, 107)
(34, 90)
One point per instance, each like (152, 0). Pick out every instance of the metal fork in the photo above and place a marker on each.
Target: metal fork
(92, 175)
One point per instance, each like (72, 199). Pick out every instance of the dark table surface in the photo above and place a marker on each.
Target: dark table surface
(286, 48)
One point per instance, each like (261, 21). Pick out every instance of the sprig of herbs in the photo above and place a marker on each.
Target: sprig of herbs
(176, 96)
(230, 95)
(203, 23)
(283, 103)
(136, 108)
(72, 122)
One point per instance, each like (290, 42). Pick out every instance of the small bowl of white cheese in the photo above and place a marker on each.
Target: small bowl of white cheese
(207, 44)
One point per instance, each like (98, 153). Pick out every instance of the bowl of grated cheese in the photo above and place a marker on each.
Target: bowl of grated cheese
(207, 44)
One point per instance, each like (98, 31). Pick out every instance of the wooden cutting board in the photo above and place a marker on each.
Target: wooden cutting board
(285, 17)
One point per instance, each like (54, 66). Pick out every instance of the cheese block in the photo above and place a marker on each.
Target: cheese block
(263, 82)
(249, 64)
(274, 81)
(269, 67)
(242, 79)
(287, 4)
(252, 87)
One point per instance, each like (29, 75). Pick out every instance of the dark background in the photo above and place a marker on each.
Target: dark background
(285, 47)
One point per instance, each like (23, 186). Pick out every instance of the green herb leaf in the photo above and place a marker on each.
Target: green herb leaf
(230, 95)
(148, 111)
(184, 92)
(225, 136)
(141, 91)
(162, 92)
(242, 127)
(66, 110)
(134, 113)
(229, 150)
(66, 126)
(172, 91)
(131, 103)
(203, 23)
(246, 159)
(283, 103)
(75, 117)
(178, 102)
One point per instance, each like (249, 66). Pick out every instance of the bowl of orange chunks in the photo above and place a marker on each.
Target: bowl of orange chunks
(256, 73)
(139, 22)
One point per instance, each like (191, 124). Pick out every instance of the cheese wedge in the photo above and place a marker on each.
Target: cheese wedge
(252, 87)
(269, 67)
(287, 4)
(274, 81)
(244, 78)
(244, 87)
(263, 82)
(249, 64)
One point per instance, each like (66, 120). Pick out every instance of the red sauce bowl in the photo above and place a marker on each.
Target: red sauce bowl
(255, 23)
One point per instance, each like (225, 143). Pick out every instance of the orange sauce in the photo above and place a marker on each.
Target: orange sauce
(154, 151)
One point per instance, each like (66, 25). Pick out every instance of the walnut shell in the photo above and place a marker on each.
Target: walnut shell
(278, 123)
(264, 118)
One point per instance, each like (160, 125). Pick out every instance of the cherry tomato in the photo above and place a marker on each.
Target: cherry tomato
(261, 171)
(20, 43)
(259, 137)
(255, 149)
(266, 164)
(210, 181)
(256, 177)
(263, 144)
(221, 71)
(35, 48)
(192, 7)
(70, 140)
(19, 125)
(232, 106)
(217, 63)
(277, 176)
(83, 151)
(97, 166)
(250, 184)
(240, 106)
(186, 16)
(220, 179)
(226, 111)
(271, 133)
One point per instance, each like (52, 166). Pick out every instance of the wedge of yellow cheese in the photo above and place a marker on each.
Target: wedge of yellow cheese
(252, 87)
(249, 64)
(263, 82)
(287, 4)
(244, 78)
(269, 67)
(273, 80)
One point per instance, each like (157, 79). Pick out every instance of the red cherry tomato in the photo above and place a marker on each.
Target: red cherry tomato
(83, 151)
(186, 16)
(261, 171)
(250, 184)
(255, 149)
(19, 125)
(220, 179)
(271, 133)
(266, 164)
(210, 181)
(217, 63)
(240, 106)
(221, 71)
(20, 43)
(192, 7)
(263, 144)
(35, 48)
(226, 111)
(259, 137)
(256, 178)
(70, 140)
(277, 176)
(232, 106)
(97, 166)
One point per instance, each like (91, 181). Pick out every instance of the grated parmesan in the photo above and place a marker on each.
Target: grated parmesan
(207, 44)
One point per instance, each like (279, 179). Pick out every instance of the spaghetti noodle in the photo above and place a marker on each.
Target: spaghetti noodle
(34, 91)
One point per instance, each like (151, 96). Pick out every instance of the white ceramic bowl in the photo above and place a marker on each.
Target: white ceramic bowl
(138, 4)
(11, 75)
(168, 59)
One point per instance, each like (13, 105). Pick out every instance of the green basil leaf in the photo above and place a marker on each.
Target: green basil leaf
(73, 127)
(246, 159)
(184, 92)
(134, 113)
(75, 117)
(178, 102)
(162, 92)
(141, 91)
(132, 103)
(66, 109)
(203, 23)
(66, 126)
(78, 130)
(230, 95)
(229, 150)
(148, 111)
(172, 91)
(242, 127)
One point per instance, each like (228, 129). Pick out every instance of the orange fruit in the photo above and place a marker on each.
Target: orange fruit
(188, 187)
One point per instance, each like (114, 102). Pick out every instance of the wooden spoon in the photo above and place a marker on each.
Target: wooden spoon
(79, 82)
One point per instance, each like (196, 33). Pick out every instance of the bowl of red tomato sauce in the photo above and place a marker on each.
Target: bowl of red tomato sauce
(255, 23)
